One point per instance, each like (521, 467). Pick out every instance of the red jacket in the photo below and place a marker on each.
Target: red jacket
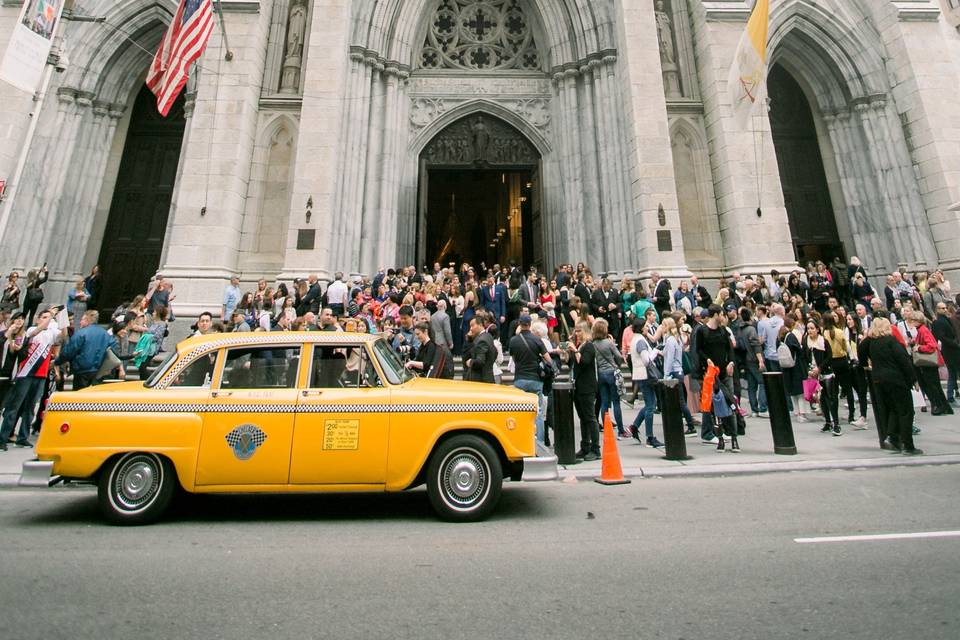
(926, 343)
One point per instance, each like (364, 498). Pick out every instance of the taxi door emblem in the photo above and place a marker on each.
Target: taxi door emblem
(245, 440)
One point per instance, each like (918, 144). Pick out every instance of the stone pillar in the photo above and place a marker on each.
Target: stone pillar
(596, 221)
(751, 244)
(320, 149)
(649, 154)
(204, 228)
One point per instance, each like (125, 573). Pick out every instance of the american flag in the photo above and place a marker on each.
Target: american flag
(182, 45)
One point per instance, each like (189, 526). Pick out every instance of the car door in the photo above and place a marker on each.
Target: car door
(248, 420)
(343, 420)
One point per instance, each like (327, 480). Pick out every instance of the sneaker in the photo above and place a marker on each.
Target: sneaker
(913, 452)
(889, 446)
(653, 442)
(690, 432)
(827, 428)
(916, 431)
(860, 424)
(712, 440)
(25, 444)
(762, 414)
(836, 430)
(590, 457)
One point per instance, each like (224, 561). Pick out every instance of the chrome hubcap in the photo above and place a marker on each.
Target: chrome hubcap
(464, 478)
(136, 483)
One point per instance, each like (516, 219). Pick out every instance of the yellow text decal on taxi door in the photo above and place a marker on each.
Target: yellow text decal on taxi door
(341, 435)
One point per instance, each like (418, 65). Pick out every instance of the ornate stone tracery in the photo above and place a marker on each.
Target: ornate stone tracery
(480, 35)
(480, 141)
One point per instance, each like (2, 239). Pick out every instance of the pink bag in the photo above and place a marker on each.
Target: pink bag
(810, 388)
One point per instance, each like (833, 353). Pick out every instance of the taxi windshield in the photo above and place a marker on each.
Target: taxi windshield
(161, 370)
(392, 367)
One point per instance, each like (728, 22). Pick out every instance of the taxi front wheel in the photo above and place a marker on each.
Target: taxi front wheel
(136, 488)
(464, 479)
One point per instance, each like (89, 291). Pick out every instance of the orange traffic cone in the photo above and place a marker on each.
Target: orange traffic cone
(611, 472)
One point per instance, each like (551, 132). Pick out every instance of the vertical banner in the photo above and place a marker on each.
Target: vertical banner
(30, 43)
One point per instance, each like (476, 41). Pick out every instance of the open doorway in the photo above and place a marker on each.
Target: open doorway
(479, 216)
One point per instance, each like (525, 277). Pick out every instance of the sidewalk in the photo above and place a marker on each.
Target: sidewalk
(939, 439)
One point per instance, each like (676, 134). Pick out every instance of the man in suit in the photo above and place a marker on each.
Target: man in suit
(483, 353)
(311, 300)
(493, 298)
(440, 323)
(864, 319)
(943, 330)
(661, 294)
(700, 293)
(605, 304)
(582, 291)
(530, 292)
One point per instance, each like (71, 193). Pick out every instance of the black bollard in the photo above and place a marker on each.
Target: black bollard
(780, 422)
(564, 442)
(673, 438)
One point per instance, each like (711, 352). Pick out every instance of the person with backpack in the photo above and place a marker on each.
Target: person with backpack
(791, 363)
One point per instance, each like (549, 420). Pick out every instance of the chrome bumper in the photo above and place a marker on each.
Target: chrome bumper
(542, 468)
(38, 473)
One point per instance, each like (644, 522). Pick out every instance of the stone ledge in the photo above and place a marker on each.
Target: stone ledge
(917, 10)
(240, 6)
(727, 10)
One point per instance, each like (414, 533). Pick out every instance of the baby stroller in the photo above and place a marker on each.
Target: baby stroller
(723, 420)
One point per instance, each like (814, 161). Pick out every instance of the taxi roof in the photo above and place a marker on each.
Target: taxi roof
(216, 340)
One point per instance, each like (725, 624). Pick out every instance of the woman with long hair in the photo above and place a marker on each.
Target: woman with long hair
(818, 354)
(645, 375)
(673, 365)
(608, 363)
(793, 376)
(839, 352)
(893, 375)
(858, 376)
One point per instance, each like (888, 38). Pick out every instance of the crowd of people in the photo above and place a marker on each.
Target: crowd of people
(832, 333)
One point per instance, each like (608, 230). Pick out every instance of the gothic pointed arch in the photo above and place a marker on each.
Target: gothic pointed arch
(696, 197)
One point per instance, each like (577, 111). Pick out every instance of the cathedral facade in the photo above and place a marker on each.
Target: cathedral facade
(318, 136)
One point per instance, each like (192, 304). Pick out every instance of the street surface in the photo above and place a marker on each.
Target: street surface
(678, 558)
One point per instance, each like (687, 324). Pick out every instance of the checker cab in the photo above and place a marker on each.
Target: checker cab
(289, 412)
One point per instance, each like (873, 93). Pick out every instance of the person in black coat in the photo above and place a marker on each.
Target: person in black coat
(483, 353)
(583, 366)
(893, 375)
(943, 330)
(661, 295)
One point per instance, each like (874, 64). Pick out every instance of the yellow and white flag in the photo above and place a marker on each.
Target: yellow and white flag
(748, 76)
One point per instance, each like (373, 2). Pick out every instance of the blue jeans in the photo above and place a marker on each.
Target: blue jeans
(609, 398)
(534, 386)
(951, 383)
(755, 389)
(21, 403)
(649, 390)
(687, 416)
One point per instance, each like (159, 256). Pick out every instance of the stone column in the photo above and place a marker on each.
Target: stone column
(320, 148)
(615, 150)
(649, 153)
(204, 227)
(597, 235)
(751, 244)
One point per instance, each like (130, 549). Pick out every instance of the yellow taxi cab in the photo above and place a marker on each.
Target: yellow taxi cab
(289, 412)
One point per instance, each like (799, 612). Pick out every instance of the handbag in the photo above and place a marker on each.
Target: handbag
(617, 377)
(109, 364)
(918, 401)
(785, 356)
(686, 364)
(925, 360)
(810, 388)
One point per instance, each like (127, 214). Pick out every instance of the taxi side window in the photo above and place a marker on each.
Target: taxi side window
(198, 374)
(341, 367)
(261, 368)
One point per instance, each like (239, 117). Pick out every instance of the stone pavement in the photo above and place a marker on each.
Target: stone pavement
(939, 439)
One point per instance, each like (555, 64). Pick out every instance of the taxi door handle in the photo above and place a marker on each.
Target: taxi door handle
(222, 394)
(307, 394)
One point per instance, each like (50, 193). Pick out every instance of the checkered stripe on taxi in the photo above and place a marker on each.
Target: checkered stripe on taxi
(142, 407)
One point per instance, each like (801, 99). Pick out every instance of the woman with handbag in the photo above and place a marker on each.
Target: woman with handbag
(793, 366)
(839, 352)
(645, 374)
(893, 375)
(608, 370)
(817, 352)
(927, 362)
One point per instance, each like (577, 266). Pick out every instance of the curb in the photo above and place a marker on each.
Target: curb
(759, 468)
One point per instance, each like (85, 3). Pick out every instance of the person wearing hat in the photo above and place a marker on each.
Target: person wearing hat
(528, 352)
(239, 322)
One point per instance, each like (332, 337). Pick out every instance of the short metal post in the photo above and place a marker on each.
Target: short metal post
(670, 409)
(564, 440)
(780, 422)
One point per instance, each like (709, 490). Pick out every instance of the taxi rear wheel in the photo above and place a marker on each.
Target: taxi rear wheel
(136, 488)
(464, 479)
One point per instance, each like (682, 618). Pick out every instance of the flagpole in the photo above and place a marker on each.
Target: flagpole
(228, 56)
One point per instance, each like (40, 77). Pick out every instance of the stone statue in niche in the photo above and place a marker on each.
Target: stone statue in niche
(293, 51)
(481, 140)
(668, 53)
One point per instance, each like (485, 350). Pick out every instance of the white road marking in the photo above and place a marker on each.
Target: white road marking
(883, 536)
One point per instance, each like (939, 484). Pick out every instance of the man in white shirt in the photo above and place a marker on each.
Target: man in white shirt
(338, 295)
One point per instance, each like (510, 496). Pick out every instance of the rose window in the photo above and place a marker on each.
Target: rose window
(480, 35)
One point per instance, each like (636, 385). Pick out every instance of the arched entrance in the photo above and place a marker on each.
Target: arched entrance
(136, 226)
(480, 198)
(806, 193)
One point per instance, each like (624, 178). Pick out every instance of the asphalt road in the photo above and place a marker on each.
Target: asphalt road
(671, 558)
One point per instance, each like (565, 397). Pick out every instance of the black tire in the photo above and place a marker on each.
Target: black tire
(464, 479)
(136, 488)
